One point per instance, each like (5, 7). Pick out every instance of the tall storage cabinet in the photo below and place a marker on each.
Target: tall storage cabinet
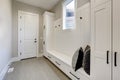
(105, 40)
(101, 41)
(48, 21)
(116, 40)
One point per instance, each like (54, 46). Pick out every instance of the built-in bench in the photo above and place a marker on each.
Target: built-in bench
(64, 63)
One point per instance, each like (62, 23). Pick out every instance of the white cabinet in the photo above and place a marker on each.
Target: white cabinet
(59, 60)
(105, 41)
(98, 2)
(116, 39)
(48, 21)
(101, 42)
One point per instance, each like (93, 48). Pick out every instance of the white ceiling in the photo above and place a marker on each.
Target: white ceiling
(45, 4)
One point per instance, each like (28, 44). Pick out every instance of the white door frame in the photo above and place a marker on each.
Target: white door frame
(19, 13)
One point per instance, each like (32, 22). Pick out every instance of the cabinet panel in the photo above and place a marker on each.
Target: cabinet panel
(48, 20)
(116, 69)
(102, 26)
(83, 25)
(116, 39)
(101, 42)
(98, 2)
(102, 70)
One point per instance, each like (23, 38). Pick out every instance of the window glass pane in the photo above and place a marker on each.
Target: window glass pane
(69, 20)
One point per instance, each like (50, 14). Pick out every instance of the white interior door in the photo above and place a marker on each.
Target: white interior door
(101, 40)
(116, 40)
(28, 34)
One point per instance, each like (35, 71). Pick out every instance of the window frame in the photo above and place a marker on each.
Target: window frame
(65, 3)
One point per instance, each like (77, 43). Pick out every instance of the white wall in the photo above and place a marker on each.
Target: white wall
(57, 9)
(68, 41)
(5, 32)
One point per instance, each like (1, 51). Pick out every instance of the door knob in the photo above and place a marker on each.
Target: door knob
(35, 41)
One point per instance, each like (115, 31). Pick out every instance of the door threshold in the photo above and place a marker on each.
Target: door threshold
(28, 58)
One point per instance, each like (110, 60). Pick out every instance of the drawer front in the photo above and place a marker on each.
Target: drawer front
(58, 63)
(46, 55)
(82, 77)
(73, 76)
(50, 57)
(78, 77)
(69, 71)
(66, 68)
(54, 60)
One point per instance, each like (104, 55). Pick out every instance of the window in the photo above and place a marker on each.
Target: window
(69, 14)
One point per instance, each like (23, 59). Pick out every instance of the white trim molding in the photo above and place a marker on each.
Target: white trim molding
(4, 71)
(19, 38)
(14, 59)
(40, 55)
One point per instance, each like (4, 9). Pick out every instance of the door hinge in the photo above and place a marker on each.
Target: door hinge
(20, 41)
(44, 26)
(20, 29)
(20, 53)
(20, 17)
(44, 42)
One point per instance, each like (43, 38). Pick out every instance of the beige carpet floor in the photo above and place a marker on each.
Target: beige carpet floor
(35, 69)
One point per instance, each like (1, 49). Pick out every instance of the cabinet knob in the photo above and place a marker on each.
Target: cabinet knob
(107, 57)
(35, 41)
(81, 18)
(115, 59)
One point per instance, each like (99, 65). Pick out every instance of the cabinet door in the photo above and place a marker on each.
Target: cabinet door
(44, 35)
(116, 40)
(98, 2)
(44, 38)
(101, 42)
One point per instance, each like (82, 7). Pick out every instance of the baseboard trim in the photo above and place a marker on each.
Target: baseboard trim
(15, 59)
(40, 55)
(4, 71)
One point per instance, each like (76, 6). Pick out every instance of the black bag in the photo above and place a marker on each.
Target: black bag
(86, 60)
(79, 60)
